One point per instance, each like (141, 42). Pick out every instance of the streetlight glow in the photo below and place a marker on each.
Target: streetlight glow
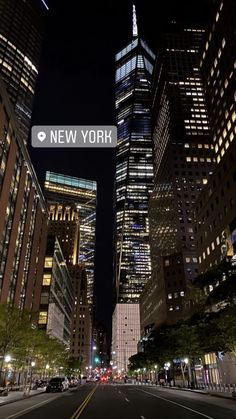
(7, 358)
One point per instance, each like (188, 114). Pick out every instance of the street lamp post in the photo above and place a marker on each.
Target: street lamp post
(31, 373)
(186, 361)
(166, 368)
(7, 359)
(155, 366)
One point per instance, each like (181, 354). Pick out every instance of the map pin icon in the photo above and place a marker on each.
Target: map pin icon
(41, 136)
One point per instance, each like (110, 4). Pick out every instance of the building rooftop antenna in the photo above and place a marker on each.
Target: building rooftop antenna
(135, 26)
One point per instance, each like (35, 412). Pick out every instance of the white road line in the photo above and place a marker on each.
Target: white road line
(126, 399)
(21, 412)
(142, 417)
(178, 404)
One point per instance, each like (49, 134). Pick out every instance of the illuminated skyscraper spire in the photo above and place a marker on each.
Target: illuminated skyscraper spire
(135, 26)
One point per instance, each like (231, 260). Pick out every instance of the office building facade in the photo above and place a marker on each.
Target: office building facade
(64, 224)
(134, 183)
(183, 161)
(81, 335)
(62, 189)
(21, 23)
(57, 296)
(23, 221)
(216, 207)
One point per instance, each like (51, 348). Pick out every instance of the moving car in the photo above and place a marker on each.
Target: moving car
(58, 384)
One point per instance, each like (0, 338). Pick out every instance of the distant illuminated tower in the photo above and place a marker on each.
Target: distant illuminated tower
(21, 28)
(134, 182)
(134, 168)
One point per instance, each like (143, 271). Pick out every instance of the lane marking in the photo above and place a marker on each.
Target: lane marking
(126, 399)
(178, 404)
(82, 406)
(142, 417)
(21, 412)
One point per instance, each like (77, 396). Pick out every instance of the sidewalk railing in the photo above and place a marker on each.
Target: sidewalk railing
(210, 387)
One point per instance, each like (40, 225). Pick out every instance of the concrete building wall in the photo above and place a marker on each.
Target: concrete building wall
(125, 334)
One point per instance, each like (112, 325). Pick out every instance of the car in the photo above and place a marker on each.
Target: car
(57, 384)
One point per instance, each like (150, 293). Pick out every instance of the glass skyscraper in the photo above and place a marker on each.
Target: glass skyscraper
(134, 168)
(83, 194)
(21, 28)
(134, 183)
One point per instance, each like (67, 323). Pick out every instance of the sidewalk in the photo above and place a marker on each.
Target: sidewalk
(14, 396)
(224, 395)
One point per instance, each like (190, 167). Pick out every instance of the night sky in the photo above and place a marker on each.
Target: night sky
(76, 87)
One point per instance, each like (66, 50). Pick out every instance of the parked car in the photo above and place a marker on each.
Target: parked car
(58, 384)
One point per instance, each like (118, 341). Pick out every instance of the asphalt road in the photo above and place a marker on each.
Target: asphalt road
(110, 401)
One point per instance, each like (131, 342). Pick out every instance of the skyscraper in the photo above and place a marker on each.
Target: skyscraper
(23, 220)
(83, 194)
(134, 183)
(183, 161)
(216, 206)
(21, 28)
(64, 224)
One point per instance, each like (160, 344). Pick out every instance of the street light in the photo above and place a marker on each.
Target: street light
(7, 358)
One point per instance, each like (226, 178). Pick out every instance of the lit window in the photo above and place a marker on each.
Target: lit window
(171, 309)
(43, 317)
(48, 262)
(167, 262)
(217, 240)
(169, 296)
(213, 246)
(181, 293)
(47, 279)
(177, 307)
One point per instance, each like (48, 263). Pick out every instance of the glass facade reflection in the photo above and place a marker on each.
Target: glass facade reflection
(83, 194)
(21, 28)
(134, 169)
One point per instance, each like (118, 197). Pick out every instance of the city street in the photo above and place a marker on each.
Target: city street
(116, 401)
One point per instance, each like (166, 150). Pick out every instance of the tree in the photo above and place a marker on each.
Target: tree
(137, 361)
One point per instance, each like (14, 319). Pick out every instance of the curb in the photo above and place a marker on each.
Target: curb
(21, 398)
(206, 393)
(31, 395)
